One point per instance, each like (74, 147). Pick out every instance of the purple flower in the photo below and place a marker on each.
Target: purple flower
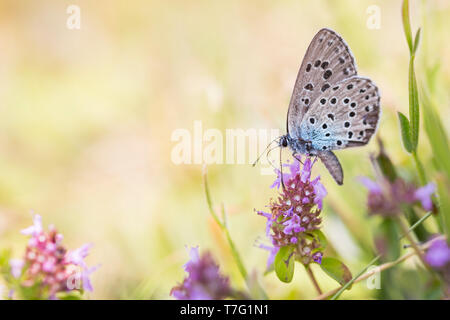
(386, 198)
(424, 194)
(317, 257)
(77, 256)
(36, 228)
(296, 212)
(85, 280)
(204, 282)
(277, 182)
(371, 185)
(438, 254)
(16, 267)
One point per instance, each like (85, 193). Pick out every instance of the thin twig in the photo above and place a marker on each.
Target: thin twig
(413, 243)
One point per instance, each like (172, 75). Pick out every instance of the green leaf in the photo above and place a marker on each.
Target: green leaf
(416, 41)
(412, 84)
(413, 106)
(407, 24)
(436, 133)
(405, 130)
(336, 270)
(284, 263)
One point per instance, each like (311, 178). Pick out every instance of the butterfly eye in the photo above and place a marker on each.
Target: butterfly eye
(284, 143)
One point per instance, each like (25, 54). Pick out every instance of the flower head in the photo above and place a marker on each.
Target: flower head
(296, 213)
(386, 198)
(204, 281)
(438, 254)
(47, 264)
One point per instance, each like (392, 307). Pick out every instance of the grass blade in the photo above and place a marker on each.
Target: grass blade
(407, 24)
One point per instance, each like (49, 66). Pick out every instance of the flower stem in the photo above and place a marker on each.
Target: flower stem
(313, 279)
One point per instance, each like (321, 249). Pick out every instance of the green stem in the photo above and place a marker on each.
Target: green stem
(223, 226)
(419, 221)
(420, 169)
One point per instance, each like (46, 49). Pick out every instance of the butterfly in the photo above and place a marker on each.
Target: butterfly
(331, 106)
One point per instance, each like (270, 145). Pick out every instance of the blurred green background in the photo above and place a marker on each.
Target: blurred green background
(86, 118)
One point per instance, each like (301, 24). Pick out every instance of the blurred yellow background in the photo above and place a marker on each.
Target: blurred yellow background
(86, 118)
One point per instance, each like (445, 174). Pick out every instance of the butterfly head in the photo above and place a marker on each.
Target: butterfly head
(297, 145)
(284, 141)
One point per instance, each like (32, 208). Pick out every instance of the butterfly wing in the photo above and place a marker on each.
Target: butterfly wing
(345, 115)
(333, 165)
(328, 60)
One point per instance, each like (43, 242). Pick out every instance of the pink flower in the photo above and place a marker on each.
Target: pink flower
(47, 263)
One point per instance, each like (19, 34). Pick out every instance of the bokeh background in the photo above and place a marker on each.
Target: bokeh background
(86, 118)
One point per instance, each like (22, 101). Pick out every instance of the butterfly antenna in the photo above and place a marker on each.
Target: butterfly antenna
(259, 157)
(268, 159)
